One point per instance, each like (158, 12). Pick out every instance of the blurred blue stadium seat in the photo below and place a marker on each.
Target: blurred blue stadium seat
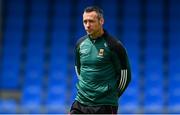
(129, 101)
(8, 106)
(56, 98)
(31, 101)
(11, 59)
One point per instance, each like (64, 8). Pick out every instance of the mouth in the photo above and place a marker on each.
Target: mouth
(89, 31)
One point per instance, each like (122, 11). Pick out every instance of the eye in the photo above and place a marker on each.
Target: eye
(85, 21)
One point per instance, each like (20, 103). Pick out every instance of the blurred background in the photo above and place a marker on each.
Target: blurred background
(37, 40)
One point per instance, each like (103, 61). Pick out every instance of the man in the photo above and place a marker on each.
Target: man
(102, 68)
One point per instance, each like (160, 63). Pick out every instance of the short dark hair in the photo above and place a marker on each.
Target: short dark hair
(98, 10)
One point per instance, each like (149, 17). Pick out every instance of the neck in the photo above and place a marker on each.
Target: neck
(97, 34)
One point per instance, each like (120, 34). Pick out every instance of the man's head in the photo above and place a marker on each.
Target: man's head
(93, 20)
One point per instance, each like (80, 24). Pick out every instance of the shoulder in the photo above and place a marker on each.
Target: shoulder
(114, 43)
(80, 40)
(117, 48)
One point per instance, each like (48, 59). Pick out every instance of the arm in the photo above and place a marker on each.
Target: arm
(77, 55)
(121, 64)
(77, 61)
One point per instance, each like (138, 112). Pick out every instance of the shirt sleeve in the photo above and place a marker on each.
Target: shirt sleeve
(122, 67)
(77, 61)
(77, 55)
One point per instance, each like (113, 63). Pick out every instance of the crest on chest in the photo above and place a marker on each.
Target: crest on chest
(101, 52)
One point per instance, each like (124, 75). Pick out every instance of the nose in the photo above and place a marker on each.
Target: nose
(87, 24)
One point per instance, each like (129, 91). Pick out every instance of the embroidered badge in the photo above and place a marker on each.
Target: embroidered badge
(101, 52)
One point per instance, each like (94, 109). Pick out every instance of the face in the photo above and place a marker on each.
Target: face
(92, 23)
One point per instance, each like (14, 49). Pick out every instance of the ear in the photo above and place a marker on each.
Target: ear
(102, 21)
